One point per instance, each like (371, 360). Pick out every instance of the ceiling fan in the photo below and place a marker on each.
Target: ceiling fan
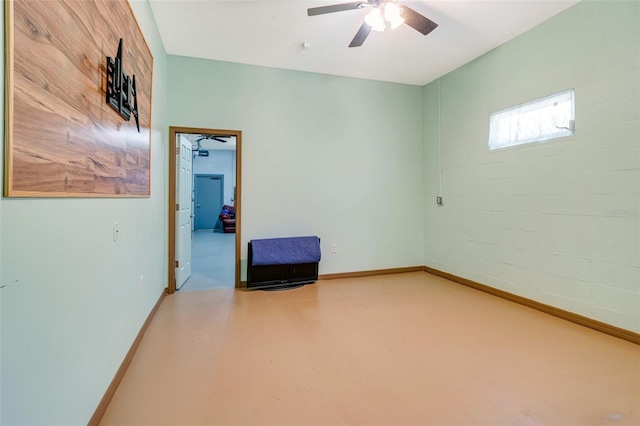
(206, 136)
(385, 14)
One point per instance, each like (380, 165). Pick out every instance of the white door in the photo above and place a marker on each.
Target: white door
(185, 188)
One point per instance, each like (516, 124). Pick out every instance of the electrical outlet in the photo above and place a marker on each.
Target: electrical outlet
(439, 201)
(334, 248)
(141, 282)
(116, 231)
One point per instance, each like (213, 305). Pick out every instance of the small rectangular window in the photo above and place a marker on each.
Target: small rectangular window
(547, 118)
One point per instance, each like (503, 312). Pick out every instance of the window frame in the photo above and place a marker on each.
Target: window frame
(517, 115)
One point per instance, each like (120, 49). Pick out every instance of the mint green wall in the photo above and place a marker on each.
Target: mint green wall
(78, 303)
(322, 155)
(555, 222)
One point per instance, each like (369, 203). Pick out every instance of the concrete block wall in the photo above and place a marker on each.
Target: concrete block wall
(557, 221)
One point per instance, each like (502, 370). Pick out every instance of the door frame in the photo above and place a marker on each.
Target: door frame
(171, 206)
(195, 198)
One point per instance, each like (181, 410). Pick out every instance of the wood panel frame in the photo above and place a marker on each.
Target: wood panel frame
(62, 139)
(173, 157)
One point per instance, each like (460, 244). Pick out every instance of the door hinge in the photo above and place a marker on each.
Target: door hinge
(177, 150)
(177, 207)
(177, 264)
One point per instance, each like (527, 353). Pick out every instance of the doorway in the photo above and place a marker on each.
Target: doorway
(209, 186)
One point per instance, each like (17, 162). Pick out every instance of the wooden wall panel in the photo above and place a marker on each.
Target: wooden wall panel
(62, 139)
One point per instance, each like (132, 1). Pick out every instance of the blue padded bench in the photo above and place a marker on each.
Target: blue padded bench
(283, 262)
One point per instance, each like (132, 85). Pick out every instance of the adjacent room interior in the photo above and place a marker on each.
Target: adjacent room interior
(385, 151)
(209, 209)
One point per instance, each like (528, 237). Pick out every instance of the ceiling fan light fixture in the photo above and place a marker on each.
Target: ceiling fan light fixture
(384, 17)
(375, 19)
(396, 23)
(392, 15)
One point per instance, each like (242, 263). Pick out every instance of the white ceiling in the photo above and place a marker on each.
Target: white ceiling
(271, 33)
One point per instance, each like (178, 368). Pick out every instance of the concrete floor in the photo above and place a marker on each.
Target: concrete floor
(212, 261)
(404, 349)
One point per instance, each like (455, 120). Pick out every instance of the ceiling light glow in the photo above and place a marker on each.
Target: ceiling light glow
(385, 16)
(375, 19)
(392, 15)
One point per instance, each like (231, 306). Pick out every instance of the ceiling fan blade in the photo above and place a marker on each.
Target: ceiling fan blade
(417, 21)
(361, 35)
(335, 8)
(216, 138)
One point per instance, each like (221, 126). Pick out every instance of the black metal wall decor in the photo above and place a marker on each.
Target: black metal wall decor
(121, 89)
